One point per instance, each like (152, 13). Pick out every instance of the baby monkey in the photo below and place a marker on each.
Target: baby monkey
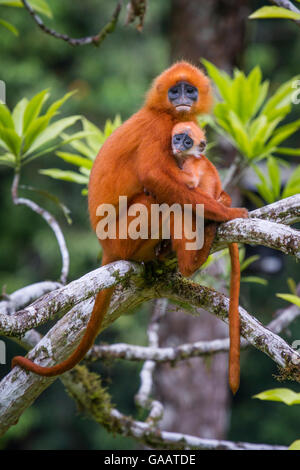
(188, 145)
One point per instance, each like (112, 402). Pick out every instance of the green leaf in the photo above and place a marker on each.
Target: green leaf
(283, 132)
(240, 134)
(274, 175)
(41, 6)
(293, 185)
(263, 91)
(296, 444)
(256, 200)
(96, 138)
(53, 131)
(8, 159)
(274, 12)
(258, 126)
(11, 3)
(58, 104)
(9, 26)
(294, 299)
(280, 98)
(75, 159)
(288, 151)
(65, 175)
(18, 114)
(263, 187)
(266, 193)
(284, 395)
(291, 190)
(11, 139)
(34, 130)
(44, 149)
(249, 261)
(254, 279)
(292, 285)
(279, 113)
(33, 108)
(5, 117)
(221, 79)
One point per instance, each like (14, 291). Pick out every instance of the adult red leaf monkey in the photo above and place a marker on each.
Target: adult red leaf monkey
(137, 156)
(188, 144)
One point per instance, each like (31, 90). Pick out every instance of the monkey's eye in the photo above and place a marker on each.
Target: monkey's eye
(188, 143)
(192, 92)
(178, 138)
(174, 92)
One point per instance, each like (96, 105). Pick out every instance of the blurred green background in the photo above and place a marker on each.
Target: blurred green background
(113, 79)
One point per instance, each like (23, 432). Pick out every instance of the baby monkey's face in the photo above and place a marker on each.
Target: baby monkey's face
(188, 140)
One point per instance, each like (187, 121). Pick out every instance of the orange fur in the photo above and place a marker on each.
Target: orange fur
(137, 156)
(201, 173)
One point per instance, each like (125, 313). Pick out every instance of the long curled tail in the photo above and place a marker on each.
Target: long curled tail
(234, 319)
(92, 330)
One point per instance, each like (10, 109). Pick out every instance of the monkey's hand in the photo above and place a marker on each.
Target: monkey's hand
(238, 213)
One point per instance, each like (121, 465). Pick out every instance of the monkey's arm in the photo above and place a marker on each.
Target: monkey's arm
(225, 199)
(159, 174)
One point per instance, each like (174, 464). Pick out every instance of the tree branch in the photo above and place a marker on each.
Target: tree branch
(286, 211)
(245, 230)
(135, 285)
(182, 352)
(172, 440)
(88, 393)
(95, 40)
(259, 232)
(25, 296)
(20, 388)
(63, 299)
(142, 397)
(51, 221)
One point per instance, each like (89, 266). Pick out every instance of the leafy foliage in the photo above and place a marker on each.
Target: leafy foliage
(246, 117)
(27, 132)
(270, 186)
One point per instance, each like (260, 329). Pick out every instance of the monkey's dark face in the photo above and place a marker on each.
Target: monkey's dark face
(183, 144)
(182, 96)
